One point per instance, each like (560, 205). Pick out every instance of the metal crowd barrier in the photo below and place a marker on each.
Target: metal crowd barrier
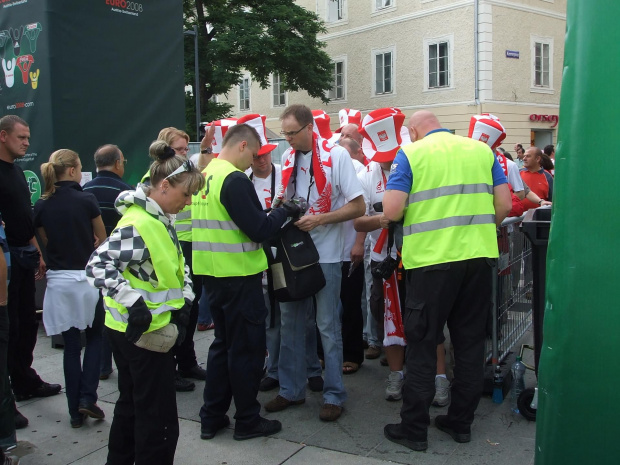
(512, 312)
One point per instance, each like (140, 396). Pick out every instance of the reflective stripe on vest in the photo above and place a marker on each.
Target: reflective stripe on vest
(168, 265)
(219, 247)
(450, 214)
(185, 214)
(183, 224)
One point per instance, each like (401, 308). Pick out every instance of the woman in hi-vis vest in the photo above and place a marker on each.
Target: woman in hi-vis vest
(147, 297)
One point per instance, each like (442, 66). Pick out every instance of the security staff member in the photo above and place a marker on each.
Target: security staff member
(228, 225)
(451, 191)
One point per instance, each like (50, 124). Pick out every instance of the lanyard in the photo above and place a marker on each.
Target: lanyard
(311, 175)
(273, 181)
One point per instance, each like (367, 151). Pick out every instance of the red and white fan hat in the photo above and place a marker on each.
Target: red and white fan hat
(487, 128)
(349, 116)
(321, 126)
(382, 134)
(258, 122)
(221, 127)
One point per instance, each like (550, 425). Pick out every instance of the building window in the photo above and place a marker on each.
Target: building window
(244, 94)
(381, 4)
(438, 65)
(541, 64)
(337, 92)
(335, 10)
(384, 72)
(279, 95)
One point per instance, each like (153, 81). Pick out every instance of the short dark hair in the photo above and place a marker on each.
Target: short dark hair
(549, 149)
(8, 122)
(107, 155)
(301, 113)
(241, 132)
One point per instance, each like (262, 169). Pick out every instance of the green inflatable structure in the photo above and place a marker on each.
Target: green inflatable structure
(577, 418)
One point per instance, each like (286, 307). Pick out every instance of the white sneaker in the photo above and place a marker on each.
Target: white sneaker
(394, 388)
(442, 392)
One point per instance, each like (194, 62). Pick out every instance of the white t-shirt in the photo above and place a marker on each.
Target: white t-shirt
(373, 180)
(348, 230)
(263, 186)
(514, 178)
(329, 238)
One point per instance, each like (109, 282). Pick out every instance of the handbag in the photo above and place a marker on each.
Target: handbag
(161, 340)
(27, 256)
(294, 265)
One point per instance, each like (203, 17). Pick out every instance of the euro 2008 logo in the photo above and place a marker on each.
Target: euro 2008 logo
(34, 186)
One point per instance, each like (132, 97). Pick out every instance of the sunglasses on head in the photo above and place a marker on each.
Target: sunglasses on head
(186, 166)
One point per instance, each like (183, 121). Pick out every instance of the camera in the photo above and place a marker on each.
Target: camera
(385, 268)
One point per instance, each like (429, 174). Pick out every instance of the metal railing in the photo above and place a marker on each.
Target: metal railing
(512, 296)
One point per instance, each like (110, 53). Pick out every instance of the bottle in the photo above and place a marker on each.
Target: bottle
(518, 383)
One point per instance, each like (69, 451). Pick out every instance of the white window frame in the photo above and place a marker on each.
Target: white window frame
(249, 100)
(535, 39)
(276, 91)
(373, 63)
(341, 10)
(382, 5)
(449, 39)
(330, 93)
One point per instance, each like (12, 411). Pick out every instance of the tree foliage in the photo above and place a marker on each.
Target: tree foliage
(260, 36)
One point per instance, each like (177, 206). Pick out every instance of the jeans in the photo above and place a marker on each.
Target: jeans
(145, 428)
(204, 313)
(313, 365)
(82, 377)
(370, 324)
(294, 315)
(7, 409)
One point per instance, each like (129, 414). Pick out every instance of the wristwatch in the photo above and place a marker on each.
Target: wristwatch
(540, 202)
(208, 150)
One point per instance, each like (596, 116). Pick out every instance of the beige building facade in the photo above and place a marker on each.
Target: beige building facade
(454, 57)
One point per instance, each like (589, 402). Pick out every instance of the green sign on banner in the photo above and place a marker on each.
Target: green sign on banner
(34, 186)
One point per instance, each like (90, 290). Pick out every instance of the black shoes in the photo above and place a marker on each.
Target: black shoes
(45, 390)
(20, 421)
(209, 433)
(315, 383)
(264, 427)
(267, 384)
(92, 410)
(195, 373)
(78, 421)
(182, 384)
(396, 434)
(441, 422)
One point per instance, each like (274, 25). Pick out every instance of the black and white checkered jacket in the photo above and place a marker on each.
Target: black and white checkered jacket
(125, 249)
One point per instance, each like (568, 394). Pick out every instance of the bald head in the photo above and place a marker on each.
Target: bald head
(350, 131)
(421, 123)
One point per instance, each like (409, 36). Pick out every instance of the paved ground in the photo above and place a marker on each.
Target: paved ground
(498, 435)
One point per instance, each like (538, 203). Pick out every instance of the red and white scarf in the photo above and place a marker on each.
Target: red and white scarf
(319, 200)
(394, 331)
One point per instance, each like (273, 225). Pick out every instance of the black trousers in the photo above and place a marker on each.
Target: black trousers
(7, 410)
(237, 354)
(352, 318)
(145, 427)
(185, 355)
(459, 293)
(23, 330)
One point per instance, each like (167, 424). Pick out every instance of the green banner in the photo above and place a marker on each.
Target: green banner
(577, 422)
(88, 73)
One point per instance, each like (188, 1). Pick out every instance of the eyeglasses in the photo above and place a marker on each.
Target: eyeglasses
(186, 166)
(124, 161)
(181, 149)
(292, 133)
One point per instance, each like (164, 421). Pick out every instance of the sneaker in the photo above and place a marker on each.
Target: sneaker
(209, 433)
(10, 460)
(268, 384)
(442, 392)
(44, 390)
(373, 352)
(330, 412)
(92, 410)
(78, 420)
(396, 434)
(315, 383)
(441, 422)
(280, 403)
(394, 389)
(264, 427)
(20, 421)
(105, 375)
(182, 384)
(196, 372)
